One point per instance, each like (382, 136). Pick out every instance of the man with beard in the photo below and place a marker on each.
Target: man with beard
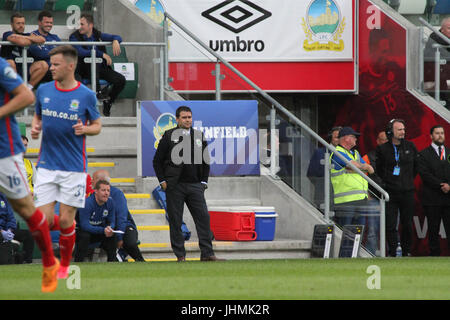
(434, 168)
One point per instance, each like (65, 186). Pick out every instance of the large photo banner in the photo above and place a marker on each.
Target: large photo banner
(263, 30)
(229, 127)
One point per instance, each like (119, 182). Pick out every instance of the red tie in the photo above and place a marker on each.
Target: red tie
(441, 152)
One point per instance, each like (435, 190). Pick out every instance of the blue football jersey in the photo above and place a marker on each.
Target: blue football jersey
(60, 109)
(10, 139)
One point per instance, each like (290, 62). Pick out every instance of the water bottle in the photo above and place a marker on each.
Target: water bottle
(398, 252)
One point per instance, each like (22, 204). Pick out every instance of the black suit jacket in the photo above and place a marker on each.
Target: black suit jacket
(433, 172)
(193, 164)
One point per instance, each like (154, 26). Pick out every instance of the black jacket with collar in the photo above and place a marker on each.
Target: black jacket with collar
(408, 166)
(433, 172)
(193, 167)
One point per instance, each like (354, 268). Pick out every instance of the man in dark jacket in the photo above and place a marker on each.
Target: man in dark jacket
(97, 221)
(88, 33)
(181, 164)
(128, 240)
(397, 167)
(434, 168)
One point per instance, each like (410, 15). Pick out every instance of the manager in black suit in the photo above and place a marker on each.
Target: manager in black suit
(181, 165)
(434, 168)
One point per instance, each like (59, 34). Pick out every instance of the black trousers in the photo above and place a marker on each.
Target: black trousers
(130, 239)
(6, 253)
(27, 240)
(193, 195)
(116, 79)
(402, 203)
(85, 238)
(434, 215)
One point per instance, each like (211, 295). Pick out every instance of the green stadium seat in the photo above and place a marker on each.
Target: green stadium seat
(7, 4)
(130, 90)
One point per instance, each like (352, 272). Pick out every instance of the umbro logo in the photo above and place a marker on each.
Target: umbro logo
(236, 15)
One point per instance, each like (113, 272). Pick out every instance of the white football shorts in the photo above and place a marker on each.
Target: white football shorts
(62, 186)
(13, 177)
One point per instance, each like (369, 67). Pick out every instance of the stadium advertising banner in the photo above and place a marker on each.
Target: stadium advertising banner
(264, 30)
(230, 128)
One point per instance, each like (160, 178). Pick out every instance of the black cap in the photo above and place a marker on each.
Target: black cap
(346, 131)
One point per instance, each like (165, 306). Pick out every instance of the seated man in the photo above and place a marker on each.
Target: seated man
(39, 52)
(88, 33)
(38, 69)
(96, 223)
(128, 241)
(430, 52)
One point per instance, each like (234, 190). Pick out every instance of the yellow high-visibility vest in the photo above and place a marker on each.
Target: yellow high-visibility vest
(348, 186)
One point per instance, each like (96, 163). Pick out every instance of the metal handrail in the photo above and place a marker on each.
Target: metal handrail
(290, 115)
(298, 122)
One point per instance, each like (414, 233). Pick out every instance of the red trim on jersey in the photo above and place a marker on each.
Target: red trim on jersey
(8, 126)
(67, 90)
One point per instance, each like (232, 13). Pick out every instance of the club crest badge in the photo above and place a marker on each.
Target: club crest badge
(323, 26)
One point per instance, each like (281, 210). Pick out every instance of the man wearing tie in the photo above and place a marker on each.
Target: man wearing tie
(434, 168)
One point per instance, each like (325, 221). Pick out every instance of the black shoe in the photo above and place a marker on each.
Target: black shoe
(103, 94)
(107, 104)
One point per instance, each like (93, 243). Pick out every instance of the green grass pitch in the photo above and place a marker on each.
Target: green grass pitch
(400, 278)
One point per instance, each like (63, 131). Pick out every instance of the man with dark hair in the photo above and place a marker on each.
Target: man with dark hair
(38, 69)
(88, 33)
(434, 168)
(66, 112)
(397, 167)
(183, 175)
(41, 52)
(97, 220)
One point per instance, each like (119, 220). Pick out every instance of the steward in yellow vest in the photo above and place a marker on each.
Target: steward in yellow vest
(348, 186)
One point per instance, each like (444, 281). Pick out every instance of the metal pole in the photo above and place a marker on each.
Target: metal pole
(437, 75)
(382, 227)
(166, 52)
(327, 185)
(161, 73)
(217, 75)
(25, 73)
(421, 60)
(273, 143)
(93, 70)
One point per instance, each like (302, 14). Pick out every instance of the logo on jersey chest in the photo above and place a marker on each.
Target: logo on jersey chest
(74, 105)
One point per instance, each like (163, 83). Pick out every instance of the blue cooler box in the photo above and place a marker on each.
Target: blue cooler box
(265, 218)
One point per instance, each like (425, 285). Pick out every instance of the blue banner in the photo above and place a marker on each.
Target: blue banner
(229, 127)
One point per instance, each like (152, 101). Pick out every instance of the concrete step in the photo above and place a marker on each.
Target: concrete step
(144, 217)
(277, 249)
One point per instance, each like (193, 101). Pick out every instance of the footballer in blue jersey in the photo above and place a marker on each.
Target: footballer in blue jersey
(15, 96)
(10, 139)
(66, 113)
(59, 110)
